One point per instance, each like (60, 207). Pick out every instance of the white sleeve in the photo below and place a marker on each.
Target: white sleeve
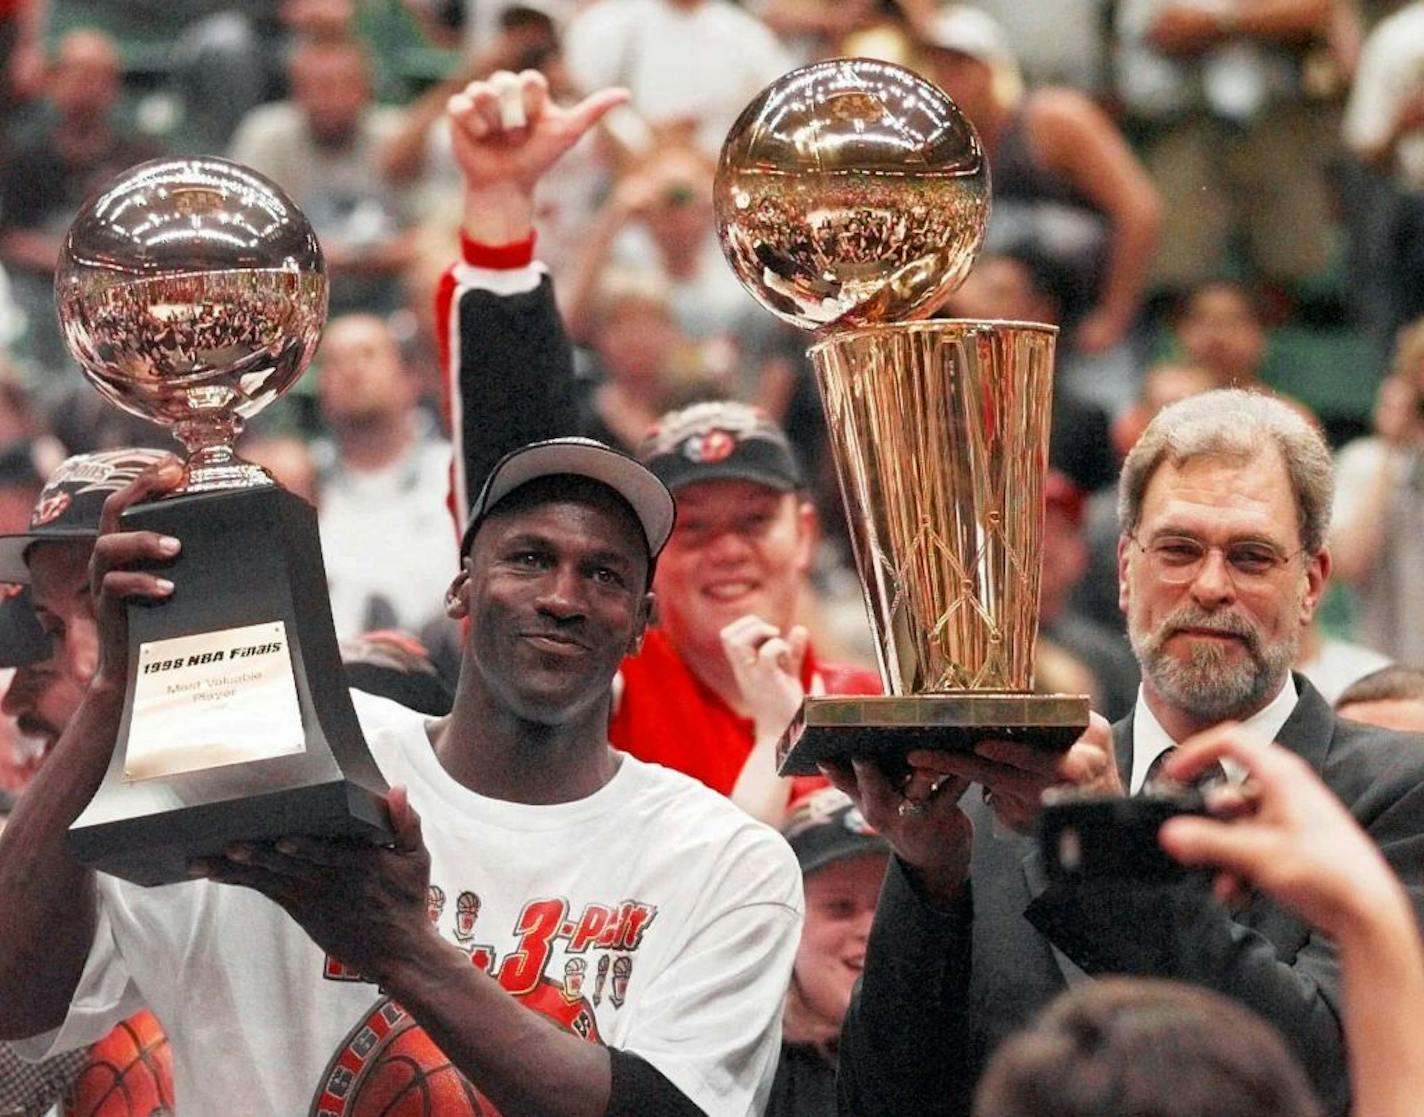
(1374, 96)
(104, 997)
(711, 1021)
(774, 59)
(1355, 465)
(595, 47)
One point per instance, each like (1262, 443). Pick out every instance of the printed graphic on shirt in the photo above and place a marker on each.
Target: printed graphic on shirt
(389, 1066)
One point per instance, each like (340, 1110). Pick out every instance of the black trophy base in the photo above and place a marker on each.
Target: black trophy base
(159, 848)
(886, 729)
(250, 557)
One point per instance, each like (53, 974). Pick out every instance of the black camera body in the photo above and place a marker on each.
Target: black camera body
(1086, 835)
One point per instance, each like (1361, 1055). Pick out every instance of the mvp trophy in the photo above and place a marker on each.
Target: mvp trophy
(193, 292)
(851, 198)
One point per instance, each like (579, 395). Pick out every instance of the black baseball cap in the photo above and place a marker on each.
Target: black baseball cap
(825, 826)
(71, 503)
(648, 497)
(720, 440)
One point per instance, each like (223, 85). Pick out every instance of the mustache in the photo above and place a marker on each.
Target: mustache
(1226, 622)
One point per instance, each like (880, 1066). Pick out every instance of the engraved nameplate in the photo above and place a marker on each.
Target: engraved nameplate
(213, 699)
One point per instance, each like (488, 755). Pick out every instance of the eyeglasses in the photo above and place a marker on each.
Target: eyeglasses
(1178, 559)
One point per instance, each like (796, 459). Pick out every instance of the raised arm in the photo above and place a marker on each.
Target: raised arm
(508, 366)
(1297, 842)
(1076, 139)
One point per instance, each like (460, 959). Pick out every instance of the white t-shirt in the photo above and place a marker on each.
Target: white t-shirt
(653, 916)
(703, 63)
(1390, 596)
(387, 541)
(1390, 74)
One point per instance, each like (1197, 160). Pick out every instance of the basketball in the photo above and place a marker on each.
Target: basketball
(412, 1077)
(129, 1074)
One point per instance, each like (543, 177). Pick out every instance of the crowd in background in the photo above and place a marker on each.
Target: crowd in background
(1199, 194)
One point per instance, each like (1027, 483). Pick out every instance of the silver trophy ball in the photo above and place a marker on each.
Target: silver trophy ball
(192, 292)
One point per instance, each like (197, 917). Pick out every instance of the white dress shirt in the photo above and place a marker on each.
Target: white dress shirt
(1150, 740)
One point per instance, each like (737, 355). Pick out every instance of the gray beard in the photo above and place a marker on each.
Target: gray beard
(1207, 685)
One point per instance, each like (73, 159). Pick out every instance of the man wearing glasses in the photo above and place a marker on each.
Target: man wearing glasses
(1224, 505)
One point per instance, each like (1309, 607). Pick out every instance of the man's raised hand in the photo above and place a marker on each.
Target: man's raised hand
(116, 567)
(507, 132)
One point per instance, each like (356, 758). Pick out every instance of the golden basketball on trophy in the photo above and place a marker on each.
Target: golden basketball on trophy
(851, 199)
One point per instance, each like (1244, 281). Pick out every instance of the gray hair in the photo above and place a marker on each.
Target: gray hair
(1235, 424)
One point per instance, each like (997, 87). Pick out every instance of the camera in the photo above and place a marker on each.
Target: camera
(1088, 835)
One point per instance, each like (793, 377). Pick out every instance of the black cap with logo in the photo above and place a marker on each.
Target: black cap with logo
(71, 503)
(825, 826)
(720, 440)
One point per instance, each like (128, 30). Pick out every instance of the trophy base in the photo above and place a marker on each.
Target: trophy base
(158, 848)
(237, 722)
(886, 729)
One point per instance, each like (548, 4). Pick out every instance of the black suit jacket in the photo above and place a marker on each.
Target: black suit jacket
(942, 989)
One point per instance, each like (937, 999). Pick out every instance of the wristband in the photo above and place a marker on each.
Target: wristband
(497, 257)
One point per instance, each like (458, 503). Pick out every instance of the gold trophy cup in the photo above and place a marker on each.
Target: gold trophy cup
(851, 198)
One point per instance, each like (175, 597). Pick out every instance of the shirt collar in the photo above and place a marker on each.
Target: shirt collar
(1150, 740)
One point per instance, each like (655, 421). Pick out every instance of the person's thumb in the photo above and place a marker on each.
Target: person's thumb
(595, 107)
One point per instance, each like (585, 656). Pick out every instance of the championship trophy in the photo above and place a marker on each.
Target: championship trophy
(192, 292)
(851, 198)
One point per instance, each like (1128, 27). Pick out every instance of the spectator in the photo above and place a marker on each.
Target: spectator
(382, 483)
(745, 532)
(842, 863)
(478, 27)
(1065, 183)
(811, 30)
(1378, 537)
(1059, 45)
(1100, 649)
(43, 185)
(323, 147)
(1234, 143)
(1384, 130)
(640, 358)
(1225, 503)
(419, 158)
(22, 60)
(691, 65)
(1294, 840)
(395, 665)
(659, 218)
(49, 681)
(1221, 328)
(1137, 1047)
(1333, 664)
(1392, 697)
(1164, 383)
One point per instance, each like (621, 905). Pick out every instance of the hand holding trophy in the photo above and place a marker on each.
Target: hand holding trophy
(851, 198)
(192, 292)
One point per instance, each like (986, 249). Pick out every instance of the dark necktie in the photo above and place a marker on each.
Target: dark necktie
(1213, 774)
